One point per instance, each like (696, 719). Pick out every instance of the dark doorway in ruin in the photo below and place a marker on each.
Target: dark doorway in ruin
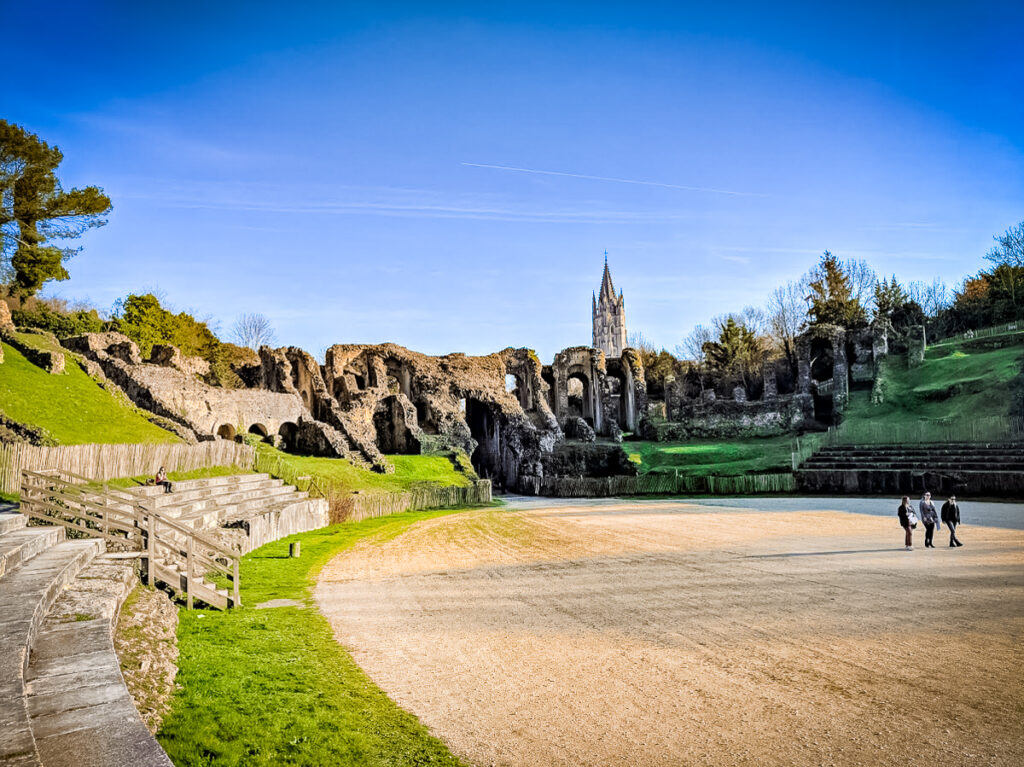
(226, 431)
(484, 428)
(259, 430)
(425, 418)
(288, 433)
(393, 434)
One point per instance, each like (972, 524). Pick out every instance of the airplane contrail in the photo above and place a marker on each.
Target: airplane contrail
(612, 179)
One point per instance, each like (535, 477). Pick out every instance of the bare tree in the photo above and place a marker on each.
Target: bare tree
(932, 297)
(862, 282)
(637, 340)
(254, 331)
(787, 315)
(692, 347)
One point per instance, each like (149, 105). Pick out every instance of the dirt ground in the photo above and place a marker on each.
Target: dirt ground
(672, 634)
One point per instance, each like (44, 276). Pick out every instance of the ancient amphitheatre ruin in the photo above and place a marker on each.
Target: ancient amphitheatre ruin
(310, 453)
(551, 631)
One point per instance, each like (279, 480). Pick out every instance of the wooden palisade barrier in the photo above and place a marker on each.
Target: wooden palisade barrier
(101, 462)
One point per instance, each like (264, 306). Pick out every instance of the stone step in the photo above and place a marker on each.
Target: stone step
(12, 520)
(825, 463)
(22, 544)
(190, 485)
(26, 596)
(80, 711)
(228, 500)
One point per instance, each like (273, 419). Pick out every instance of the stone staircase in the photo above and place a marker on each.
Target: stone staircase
(253, 508)
(976, 469)
(63, 701)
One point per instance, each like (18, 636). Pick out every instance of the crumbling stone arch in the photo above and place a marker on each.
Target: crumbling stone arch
(226, 431)
(259, 430)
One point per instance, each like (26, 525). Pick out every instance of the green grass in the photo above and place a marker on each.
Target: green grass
(72, 407)
(409, 470)
(956, 381)
(722, 458)
(272, 686)
(177, 476)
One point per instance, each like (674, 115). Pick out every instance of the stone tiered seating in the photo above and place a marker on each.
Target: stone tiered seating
(218, 501)
(994, 469)
(62, 698)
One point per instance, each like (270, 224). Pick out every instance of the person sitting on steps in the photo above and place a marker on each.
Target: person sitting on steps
(161, 479)
(951, 516)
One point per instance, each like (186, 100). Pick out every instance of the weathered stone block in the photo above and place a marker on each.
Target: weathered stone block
(6, 323)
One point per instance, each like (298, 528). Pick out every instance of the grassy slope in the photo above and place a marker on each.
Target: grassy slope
(409, 469)
(713, 457)
(177, 476)
(955, 381)
(72, 407)
(269, 687)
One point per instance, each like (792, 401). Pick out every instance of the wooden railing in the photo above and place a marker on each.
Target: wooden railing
(174, 553)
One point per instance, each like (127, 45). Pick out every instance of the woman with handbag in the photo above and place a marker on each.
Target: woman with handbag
(908, 521)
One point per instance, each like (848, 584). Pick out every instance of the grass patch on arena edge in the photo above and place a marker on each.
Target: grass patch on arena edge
(272, 686)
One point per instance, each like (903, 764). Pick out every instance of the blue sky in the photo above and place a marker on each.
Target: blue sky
(367, 175)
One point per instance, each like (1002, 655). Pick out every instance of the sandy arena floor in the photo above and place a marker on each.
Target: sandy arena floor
(671, 634)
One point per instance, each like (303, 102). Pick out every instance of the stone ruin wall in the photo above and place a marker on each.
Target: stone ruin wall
(830, 360)
(368, 400)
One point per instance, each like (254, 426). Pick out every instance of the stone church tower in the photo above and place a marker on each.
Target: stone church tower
(609, 317)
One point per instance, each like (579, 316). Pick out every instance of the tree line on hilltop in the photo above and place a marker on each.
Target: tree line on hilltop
(733, 348)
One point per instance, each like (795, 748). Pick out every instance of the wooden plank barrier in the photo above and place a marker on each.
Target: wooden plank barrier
(101, 462)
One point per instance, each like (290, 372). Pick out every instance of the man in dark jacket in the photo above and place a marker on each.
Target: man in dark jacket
(951, 518)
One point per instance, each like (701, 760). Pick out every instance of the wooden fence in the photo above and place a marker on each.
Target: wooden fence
(356, 506)
(667, 484)
(977, 430)
(101, 462)
(997, 330)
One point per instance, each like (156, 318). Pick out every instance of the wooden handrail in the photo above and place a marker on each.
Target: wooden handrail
(49, 491)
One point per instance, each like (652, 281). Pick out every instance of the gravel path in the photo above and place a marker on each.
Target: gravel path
(667, 633)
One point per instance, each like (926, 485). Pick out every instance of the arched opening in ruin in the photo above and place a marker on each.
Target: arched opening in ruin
(425, 418)
(822, 369)
(398, 377)
(305, 397)
(259, 430)
(581, 396)
(226, 431)
(621, 403)
(516, 386)
(288, 432)
(393, 433)
(485, 429)
(547, 378)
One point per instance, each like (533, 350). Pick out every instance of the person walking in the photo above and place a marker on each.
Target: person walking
(908, 521)
(930, 518)
(951, 517)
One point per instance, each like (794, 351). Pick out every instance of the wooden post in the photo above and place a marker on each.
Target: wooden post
(295, 549)
(188, 574)
(238, 602)
(150, 550)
